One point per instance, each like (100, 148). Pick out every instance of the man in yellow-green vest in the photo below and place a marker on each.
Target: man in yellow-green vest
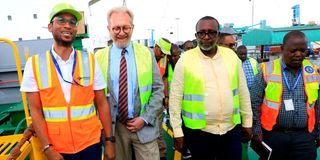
(209, 92)
(250, 65)
(134, 89)
(285, 99)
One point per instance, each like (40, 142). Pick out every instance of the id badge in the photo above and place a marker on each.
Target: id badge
(288, 103)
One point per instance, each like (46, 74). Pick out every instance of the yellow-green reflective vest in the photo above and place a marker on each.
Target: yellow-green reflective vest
(170, 75)
(273, 92)
(143, 60)
(254, 64)
(193, 112)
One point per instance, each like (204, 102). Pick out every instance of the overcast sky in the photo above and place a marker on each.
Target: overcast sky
(164, 16)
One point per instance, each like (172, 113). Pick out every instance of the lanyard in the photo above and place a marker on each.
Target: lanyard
(59, 71)
(287, 83)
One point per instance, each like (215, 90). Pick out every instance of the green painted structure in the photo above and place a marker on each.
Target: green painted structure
(274, 36)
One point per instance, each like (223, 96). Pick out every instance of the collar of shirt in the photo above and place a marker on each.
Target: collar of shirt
(116, 49)
(284, 66)
(59, 59)
(246, 62)
(202, 55)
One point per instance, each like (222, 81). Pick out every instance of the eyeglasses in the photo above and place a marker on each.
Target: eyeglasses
(62, 21)
(210, 33)
(125, 29)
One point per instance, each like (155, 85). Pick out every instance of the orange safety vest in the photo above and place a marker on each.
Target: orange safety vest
(273, 92)
(71, 126)
(162, 64)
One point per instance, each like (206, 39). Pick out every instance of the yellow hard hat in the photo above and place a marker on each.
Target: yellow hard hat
(64, 7)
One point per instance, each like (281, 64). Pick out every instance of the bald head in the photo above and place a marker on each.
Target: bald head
(207, 18)
(293, 34)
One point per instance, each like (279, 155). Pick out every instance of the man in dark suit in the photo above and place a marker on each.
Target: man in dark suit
(135, 89)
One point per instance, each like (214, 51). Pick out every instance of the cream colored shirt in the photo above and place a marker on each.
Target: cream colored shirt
(218, 99)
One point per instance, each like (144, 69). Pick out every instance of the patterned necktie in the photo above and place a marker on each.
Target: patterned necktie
(123, 89)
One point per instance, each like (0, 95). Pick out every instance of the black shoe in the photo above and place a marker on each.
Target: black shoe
(186, 154)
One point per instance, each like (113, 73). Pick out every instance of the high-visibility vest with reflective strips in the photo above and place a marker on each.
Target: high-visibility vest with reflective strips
(272, 75)
(193, 112)
(162, 65)
(143, 60)
(71, 126)
(170, 75)
(254, 64)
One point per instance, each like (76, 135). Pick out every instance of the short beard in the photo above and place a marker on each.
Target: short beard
(207, 49)
(122, 45)
(64, 43)
(61, 42)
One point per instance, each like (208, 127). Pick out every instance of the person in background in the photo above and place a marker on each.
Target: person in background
(285, 99)
(175, 54)
(227, 38)
(251, 68)
(249, 65)
(62, 86)
(135, 89)
(187, 45)
(212, 97)
(162, 52)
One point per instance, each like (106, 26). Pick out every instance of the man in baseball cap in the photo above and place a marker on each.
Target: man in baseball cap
(64, 8)
(161, 48)
(64, 99)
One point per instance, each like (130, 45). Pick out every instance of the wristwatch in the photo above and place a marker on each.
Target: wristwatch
(111, 139)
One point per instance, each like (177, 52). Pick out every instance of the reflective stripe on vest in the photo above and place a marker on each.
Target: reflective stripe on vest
(170, 75)
(190, 97)
(60, 114)
(147, 88)
(143, 60)
(193, 113)
(195, 116)
(43, 71)
(273, 95)
(86, 72)
(43, 75)
(162, 64)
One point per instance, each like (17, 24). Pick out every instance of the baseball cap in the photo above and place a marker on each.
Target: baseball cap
(164, 45)
(64, 7)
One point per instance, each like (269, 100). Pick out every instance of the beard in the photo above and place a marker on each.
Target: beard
(122, 44)
(62, 42)
(207, 48)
